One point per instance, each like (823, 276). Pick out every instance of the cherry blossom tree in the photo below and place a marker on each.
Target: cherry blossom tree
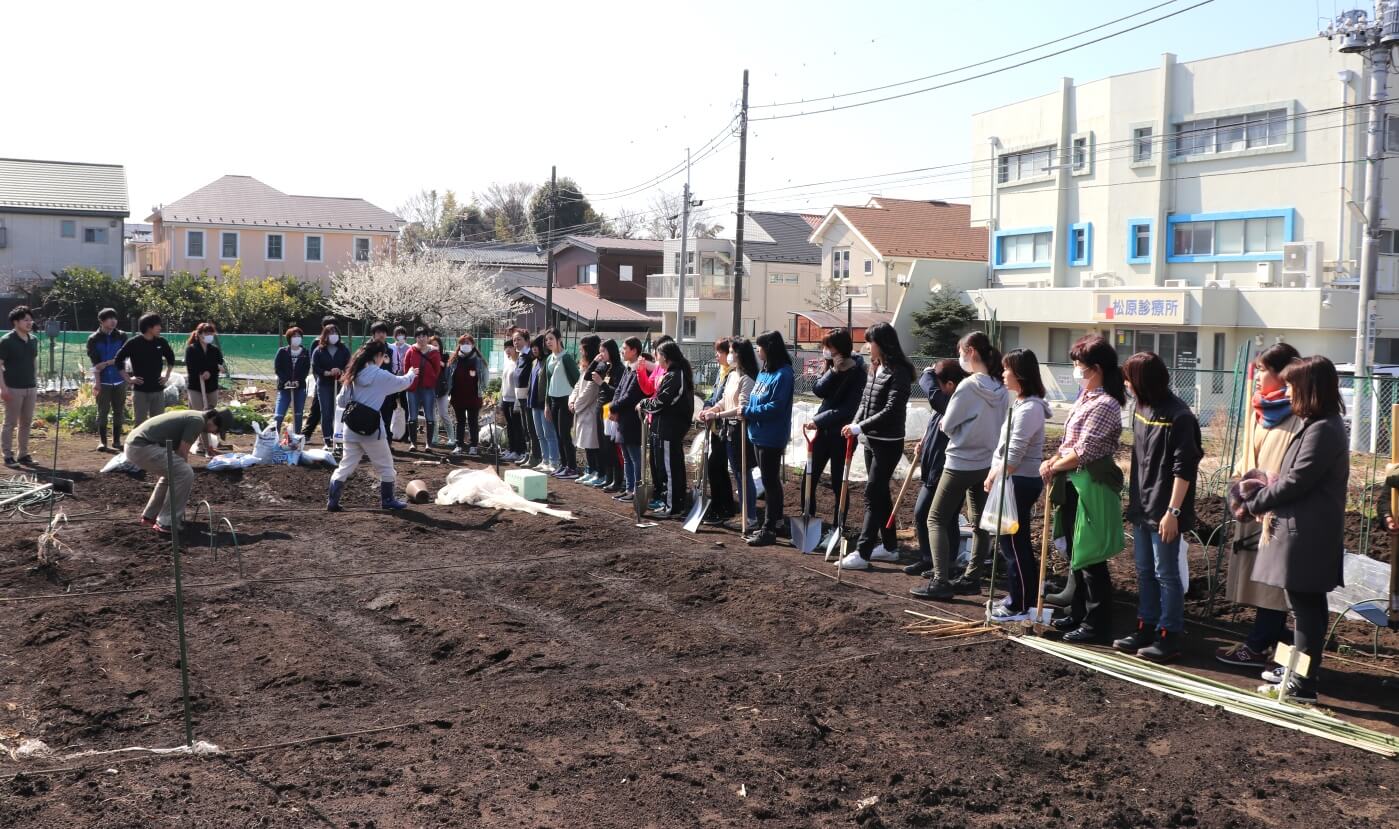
(424, 286)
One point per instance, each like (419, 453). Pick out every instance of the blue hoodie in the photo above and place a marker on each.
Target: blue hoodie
(769, 410)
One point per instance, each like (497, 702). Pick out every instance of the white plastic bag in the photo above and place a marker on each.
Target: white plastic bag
(232, 460)
(398, 426)
(482, 488)
(339, 424)
(1000, 504)
(757, 475)
(265, 443)
(316, 457)
(119, 463)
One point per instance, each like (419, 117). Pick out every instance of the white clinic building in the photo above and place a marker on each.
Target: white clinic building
(1186, 209)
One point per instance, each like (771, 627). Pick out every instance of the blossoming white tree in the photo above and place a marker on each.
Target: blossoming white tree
(447, 296)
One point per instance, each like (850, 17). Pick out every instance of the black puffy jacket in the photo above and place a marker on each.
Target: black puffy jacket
(884, 405)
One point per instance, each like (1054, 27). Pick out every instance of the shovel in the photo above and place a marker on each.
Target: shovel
(743, 475)
(699, 503)
(806, 530)
(1040, 620)
(642, 497)
(837, 544)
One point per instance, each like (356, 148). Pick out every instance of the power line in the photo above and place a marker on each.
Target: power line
(988, 73)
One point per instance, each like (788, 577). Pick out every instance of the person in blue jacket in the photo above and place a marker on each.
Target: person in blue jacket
(769, 418)
(938, 382)
(840, 389)
(293, 365)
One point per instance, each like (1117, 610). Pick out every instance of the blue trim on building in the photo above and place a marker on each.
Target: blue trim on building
(1287, 214)
(1000, 263)
(1132, 225)
(1087, 260)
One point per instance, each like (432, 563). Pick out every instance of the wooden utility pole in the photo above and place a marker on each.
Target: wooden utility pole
(738, 232)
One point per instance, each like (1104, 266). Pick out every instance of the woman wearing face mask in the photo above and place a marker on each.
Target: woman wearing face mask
(738, 387)
(367, 382)
(467, 377)
(625, 399)
(672, 410)
(584, 406)
(1166, 452)
(975, 416)
(523, 372)
(840, 389)
(1274, 427)
(1016, 466)
(539, 403)
(1087, 486)
(398, 356)
(880, 420)
(293, 364)
(328, 362)
(513, 437)
(203, 360)
(446, 424)
(769, 418)
(938, 383)
(722, 506)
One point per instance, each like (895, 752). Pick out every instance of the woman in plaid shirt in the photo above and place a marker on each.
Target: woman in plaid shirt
(1091, 434)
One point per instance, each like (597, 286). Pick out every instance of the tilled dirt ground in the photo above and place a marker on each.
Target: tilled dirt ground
(499, 669)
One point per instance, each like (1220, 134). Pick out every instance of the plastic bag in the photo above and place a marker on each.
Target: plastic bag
(481, 488)
(398, 426)
(232, 460)
(339, 424)
(119, 463)
(1000, 504)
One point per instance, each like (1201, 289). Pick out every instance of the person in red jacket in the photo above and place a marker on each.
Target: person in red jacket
(427, 359)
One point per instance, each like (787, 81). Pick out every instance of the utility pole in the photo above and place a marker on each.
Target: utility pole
(738, 232)
(549, 281)
(1373, 37)
(684, 254)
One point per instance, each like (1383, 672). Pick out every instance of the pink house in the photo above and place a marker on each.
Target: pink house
(240, 219)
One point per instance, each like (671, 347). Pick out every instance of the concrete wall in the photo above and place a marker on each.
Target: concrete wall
(35, 248)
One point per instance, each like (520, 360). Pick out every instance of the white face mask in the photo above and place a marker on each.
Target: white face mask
(465, 350)
(208, 339)
(295, 342)
(333, 339)
(826, 352)
(966, 364)
(733, 359)
(1078, 373)
(400, 339)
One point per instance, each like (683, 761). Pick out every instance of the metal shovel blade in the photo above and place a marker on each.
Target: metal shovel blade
(701, 506)
(806, 532)
(833, 546)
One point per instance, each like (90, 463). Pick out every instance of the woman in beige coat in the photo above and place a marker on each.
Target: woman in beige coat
(1267, 436)
(586, 407)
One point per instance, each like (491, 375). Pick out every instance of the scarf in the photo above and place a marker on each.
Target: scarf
(1272, 407)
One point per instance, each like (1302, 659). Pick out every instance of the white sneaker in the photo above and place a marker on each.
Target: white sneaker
(881, 554)
(1002, 614)
(854, 561)
(1273, 676)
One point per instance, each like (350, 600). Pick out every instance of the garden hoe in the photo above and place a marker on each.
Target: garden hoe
(699, 503)
(837, 546)
(806, 530)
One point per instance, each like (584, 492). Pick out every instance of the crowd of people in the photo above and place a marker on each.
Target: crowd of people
(618, 407)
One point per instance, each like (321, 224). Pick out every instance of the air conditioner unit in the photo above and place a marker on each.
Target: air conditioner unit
(1302, 262)
(1266, 279)
(1097, 280)
(1220, 283)
(1177, 283)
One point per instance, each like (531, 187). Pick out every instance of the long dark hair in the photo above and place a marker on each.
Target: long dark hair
(1023, 363)
(537, 345)
(1316, 389)
(774, 348)
(588, 348)
(1150, 379)
(1095, 352)
(747, 357)
(988, 354)
(614, 360)
(891, 352)
(366, 353)
(676, 360)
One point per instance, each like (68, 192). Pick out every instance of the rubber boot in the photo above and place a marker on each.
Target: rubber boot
(386, 499)
(431, 435)
(332, 501)
(412, 434)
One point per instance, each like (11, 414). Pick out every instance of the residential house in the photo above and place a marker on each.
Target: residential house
(515, 264)
(810, 327)
(608, 268)
(578, 311)
(135, 239)
(56, 215)
(891, 254)
(238, 219)
(782, 271)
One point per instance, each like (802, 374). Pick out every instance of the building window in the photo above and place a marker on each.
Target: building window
(313, 248)
(194, 244)
(840, 264)
(274, 246)
(1023, 248)
(677, 262)
(869, 267)
(1081, 245)
(68, 229)
(587, 274)
(1060, 341)
(1252, 235)
(1232, 133)
(1217, 364)
(1080, 153)
(1391, 133)
(361, 248)
(1028, 164)
(624, 273)
(691, 326)
(96, 235)
(774, 279)
(1139, 241)
(1141, 144)
(228, 245)
(1010, 337)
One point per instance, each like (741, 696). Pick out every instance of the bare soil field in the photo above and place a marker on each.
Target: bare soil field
(455, 667)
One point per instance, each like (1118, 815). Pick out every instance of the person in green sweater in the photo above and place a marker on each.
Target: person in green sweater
(561, 372)
(145, 447)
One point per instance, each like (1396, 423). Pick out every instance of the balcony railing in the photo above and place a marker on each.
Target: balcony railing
(697, 286)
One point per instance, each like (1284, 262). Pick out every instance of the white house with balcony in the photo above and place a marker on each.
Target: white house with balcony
(1186, 209)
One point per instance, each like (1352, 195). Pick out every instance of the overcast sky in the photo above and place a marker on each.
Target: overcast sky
(381, 100)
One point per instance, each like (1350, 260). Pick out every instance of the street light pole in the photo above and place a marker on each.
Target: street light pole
(684, 253)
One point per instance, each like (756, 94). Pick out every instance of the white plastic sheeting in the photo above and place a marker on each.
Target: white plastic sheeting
(1365, 579)
(481, 488)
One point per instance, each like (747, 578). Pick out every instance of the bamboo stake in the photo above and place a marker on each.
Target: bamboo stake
(1037, 623)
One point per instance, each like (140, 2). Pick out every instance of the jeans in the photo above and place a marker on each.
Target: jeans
(426, 399)
(325, 399)
(1312, 614)
(631, 457)
(1269, 628)
(829, 447)
(734, 447)
(146, 404)
(287, 398)
(676, 491)
(468, 426)
(563, 432)
(770, 466)
(955, 488)
(1022, 568)
(548, 440)
(111, 399)
(881, 458)
(1160, 594)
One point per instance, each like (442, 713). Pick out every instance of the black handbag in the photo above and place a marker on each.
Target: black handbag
(362, 420)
